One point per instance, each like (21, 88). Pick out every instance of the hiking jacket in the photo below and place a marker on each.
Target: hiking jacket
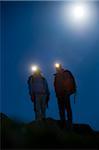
(38, 85)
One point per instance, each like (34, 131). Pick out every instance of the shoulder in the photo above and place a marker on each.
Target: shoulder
(43, 78)
(67, 71)
(30, 78)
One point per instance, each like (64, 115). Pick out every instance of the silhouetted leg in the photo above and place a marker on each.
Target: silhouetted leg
(69, 111)
(43, 106)
(61, 106)
(38, 108)
(35, 109)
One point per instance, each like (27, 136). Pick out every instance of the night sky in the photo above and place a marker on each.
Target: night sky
(36, 33)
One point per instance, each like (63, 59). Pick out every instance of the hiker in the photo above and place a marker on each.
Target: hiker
(65, 86)
(39, 93)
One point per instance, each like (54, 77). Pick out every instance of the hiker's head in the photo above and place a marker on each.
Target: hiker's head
(58, 67)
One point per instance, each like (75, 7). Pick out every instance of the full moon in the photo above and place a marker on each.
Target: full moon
(78, 14)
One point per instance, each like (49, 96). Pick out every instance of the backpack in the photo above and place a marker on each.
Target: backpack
(69, 82)
(65, 82)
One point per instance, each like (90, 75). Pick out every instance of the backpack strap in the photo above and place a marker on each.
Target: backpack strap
(75, 97)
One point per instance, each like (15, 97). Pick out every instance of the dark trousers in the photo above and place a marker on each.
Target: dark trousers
(40, 106)
(64, 105)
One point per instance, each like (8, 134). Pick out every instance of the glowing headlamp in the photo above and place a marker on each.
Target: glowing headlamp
(34, 68)
(57, 65)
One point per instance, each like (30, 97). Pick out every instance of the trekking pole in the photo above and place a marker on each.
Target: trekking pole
(77, 112)
(75, 96)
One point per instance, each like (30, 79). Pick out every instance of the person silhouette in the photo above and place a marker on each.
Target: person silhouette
(39, 93)
(65, 85)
